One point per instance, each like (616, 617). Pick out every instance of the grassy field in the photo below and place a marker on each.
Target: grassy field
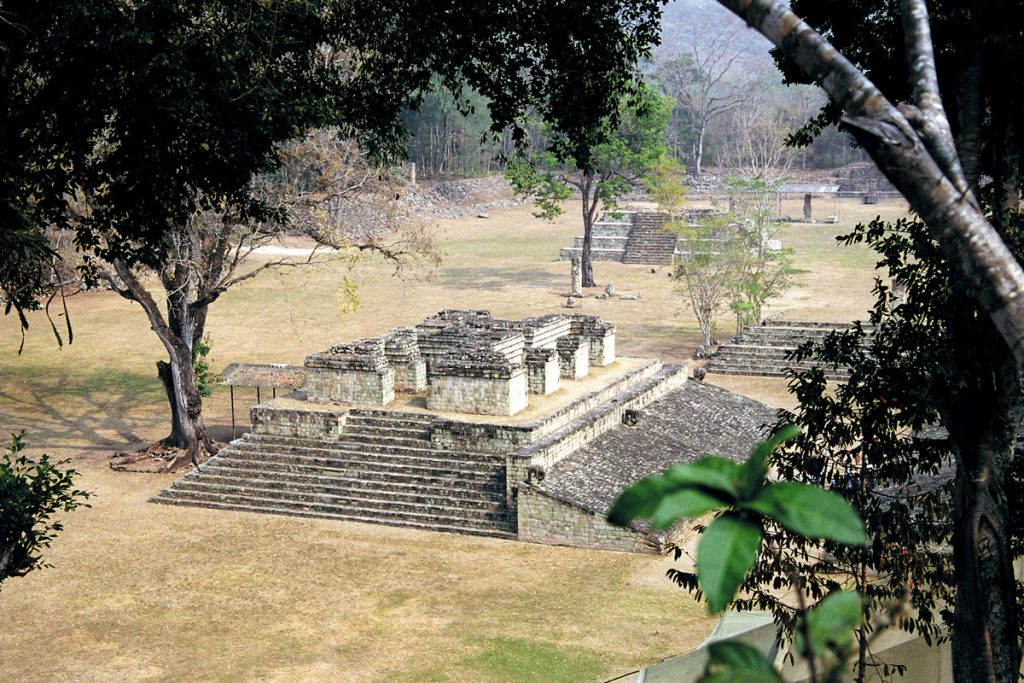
(146, 592)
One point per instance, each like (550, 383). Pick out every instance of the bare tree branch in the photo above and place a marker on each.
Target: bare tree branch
(932, 123)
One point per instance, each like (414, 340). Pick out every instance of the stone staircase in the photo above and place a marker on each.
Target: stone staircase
(383, 470)
(648, 243)
(608, 241)
(762, 349)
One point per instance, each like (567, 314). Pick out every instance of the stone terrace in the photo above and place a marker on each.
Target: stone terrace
(504, 403)
(762, 349)
(568, 505)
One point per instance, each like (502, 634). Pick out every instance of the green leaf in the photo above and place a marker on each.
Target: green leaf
(727, 550)
(753, 472)
(830, 624)
(638, 500)
(689, 502)
(717, 474)
(737, 662)
(810, 511)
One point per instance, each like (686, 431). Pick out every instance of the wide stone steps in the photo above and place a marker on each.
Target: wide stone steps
(273, 507)
(468, 485)
(649, 245)
(414, 503)
(408, 467)
(383, 469)
(762, 350)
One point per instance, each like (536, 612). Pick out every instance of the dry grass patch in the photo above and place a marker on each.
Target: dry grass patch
(148, 592)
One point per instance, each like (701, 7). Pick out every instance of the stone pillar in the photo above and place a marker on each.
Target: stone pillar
(542, 371)
(807, 207)
(574, 357)
(576, 275)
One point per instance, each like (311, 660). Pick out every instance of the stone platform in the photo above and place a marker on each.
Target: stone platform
(412, 462)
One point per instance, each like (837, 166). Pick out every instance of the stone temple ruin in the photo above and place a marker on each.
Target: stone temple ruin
(522, 429)
(464, 361)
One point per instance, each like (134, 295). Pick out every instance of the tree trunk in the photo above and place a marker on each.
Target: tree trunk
(177, 436)
(188, 431)
(982, 419)
(589, 202)
(698, 153)
(984, 623)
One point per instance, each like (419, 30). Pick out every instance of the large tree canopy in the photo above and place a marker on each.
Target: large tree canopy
(153, 110)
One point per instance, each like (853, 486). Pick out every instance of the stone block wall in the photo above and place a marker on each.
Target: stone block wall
(483, 395)
(403, 355)
(351, 373)
(543, 519)
(482, 438)
(574, 357)
(325, 425)
(601, 336)
(542, 370)
(410, 377)
(350, 386)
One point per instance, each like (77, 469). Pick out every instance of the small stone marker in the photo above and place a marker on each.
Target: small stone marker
(570, 302)
(699, 374)
(576, 277)
(609, 291)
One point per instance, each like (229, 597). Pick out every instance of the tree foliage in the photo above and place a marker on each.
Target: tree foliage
(31, 493)
(160, 109)
(937, 161)
(748, 506)
(631, 146)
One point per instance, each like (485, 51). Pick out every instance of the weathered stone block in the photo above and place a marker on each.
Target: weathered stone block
(543, 371)
(326, 425)
(483, 395)
(574, 357)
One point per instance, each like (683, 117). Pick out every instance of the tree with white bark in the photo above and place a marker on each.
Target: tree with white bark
(940, 174)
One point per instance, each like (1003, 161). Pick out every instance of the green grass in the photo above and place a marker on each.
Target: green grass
(528, 661)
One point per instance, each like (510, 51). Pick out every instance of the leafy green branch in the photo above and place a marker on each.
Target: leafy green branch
(745, 500)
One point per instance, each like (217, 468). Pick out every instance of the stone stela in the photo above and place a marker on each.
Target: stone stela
(464, 361)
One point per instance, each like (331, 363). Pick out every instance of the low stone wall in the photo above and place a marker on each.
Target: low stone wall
(495, 395)
(325, 425)
(543, 519)
(545, 452)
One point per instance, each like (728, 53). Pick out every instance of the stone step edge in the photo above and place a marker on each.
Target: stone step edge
(417, 516)
(273, 510)
(401, 488)
(473, 458)
(225, 485)
(440, 480)
(332, 465)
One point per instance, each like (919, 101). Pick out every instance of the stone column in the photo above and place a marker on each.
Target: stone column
(576, 274)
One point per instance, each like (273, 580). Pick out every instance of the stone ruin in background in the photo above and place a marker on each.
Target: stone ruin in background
(465, 361)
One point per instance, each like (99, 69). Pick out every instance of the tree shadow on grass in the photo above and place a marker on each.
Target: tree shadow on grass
(85, 411)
